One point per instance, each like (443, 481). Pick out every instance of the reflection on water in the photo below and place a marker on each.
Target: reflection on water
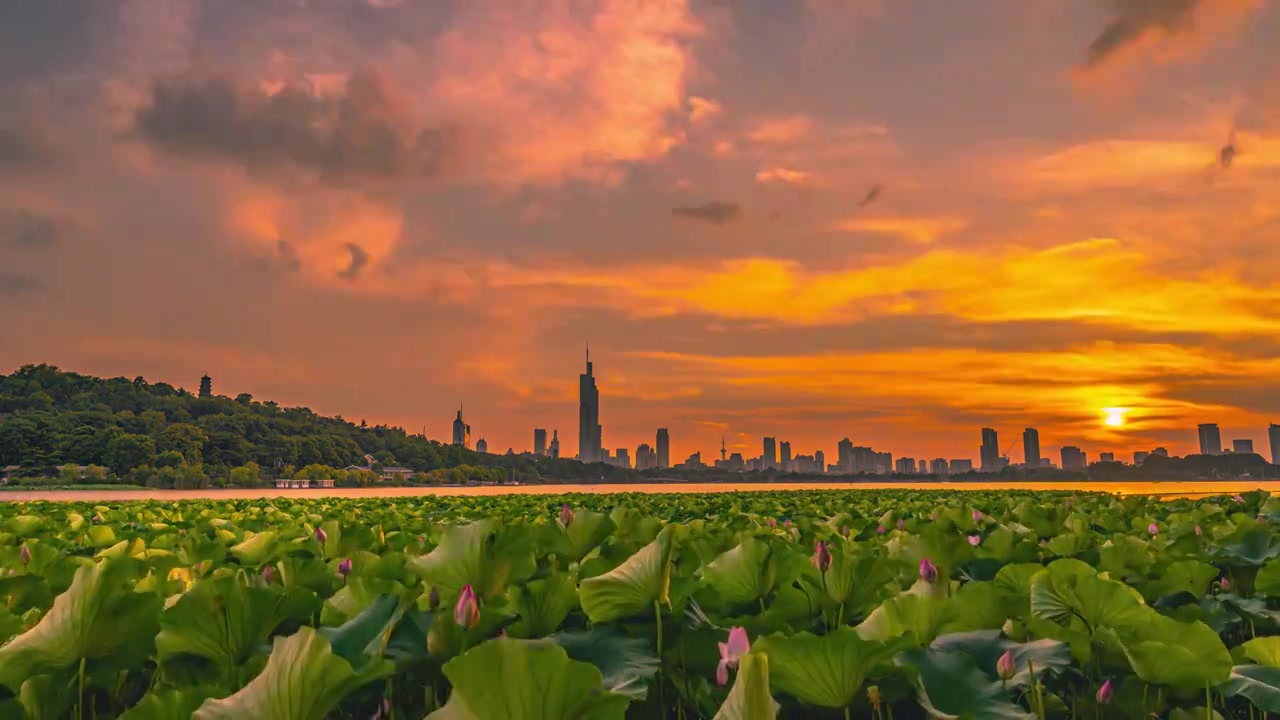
(1164, 489)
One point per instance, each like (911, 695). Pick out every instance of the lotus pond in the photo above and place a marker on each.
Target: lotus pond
(881, 604)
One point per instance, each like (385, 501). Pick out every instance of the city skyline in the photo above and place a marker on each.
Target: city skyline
(378, 208)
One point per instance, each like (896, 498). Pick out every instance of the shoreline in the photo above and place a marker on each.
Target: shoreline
(1171, 488)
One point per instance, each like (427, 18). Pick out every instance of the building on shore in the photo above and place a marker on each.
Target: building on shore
(461, 431)
(590, 434)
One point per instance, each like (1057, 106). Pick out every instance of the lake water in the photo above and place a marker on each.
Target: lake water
(1164, 489)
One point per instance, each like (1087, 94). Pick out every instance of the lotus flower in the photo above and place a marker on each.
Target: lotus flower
(786, 523)
(928, 571)
(880, 530)
(433, 599)
(1104, 693)
(321, 535)
(731, 652)
(1153, 529)
(773, 523)
(901, 523)
(975, 540)
(977, 516)
(1238, 498)
(821, 556)
(1199, 532)
(566, 515)
(25, 554)
(467, 612)
(344, 568)
(844, 530)
(267, 574)
(1005, 667)
(1225, 583)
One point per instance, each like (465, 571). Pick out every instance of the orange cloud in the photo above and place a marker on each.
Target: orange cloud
(701, 109)
(567, 89)
(784, 176)
(923, 230)
(1165, 30)
(781, 129)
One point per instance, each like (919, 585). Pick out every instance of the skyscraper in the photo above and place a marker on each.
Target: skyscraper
(1031, 447)
(589, 436)
(1273, 433)
(1073, 458)
(844, 456)
(1242, 446)
(784, 448)
(482, 446)
(646, 459)
(461, 431)
(924, 466)
(1140, 457)
(555, 444)
(820, 459)
(1210, 439)
(990, 454)
(664, 449)
(1106, 457)
(539, 442)
(770, 456)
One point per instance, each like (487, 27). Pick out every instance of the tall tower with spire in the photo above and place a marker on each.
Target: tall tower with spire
(461, 430)
(590, 447)
(722, 448)
(206, 386)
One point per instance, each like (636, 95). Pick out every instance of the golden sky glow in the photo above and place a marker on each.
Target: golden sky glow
(893, 221)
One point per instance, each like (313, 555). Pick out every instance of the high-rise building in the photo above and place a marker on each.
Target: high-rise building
(555, 444)
(820, 460)
(960, 466)
(990, 454)
(1210, 439)
(539, 442)
(646, 458)
(784, 448)
(1073, 458)
(1242, 446)
(1273, 433)
(664, 449)
(844, 456)
(622, 458)
(938, 467)
(694, 462)
(770, 455)
(924, 466)
(461, 431)
(590, 448)
(206, 386)
(1031, 447)
(1140, 457)
(905, 466)
(482, 446)
(1106, 457)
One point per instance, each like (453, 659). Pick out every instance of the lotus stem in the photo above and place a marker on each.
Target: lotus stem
(80, 694)
(662, 695)
(1208, 702)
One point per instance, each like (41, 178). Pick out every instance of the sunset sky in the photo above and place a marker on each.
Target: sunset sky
(893, 220)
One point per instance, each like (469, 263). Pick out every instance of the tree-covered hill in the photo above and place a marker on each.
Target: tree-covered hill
(154, 433)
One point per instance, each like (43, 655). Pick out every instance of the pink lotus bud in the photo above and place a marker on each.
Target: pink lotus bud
(821, 556)
(344, 567)
(1104, 693)
(1199, 532)
(566, 515)
(880, 530)
(467, 612)
(1153, 529)
(321, 535)
(1004, 666)
(268, 573)
(773, 523)
(901, 524)
(1225, 583)
(977, 516)
(731, 652)
(1238, 498)
(786, 523)
(975, 540)
(25, 554)
(928, 571)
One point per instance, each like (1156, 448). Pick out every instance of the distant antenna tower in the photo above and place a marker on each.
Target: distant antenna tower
(722, 447)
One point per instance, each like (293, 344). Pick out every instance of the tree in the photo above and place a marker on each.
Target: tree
(186, 439)
(246, 475)
(170, 458)
(128, 452)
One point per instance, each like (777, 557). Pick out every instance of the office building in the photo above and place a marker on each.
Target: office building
(960, 466)
(905, 466)
(820, 460)
(784, 448)
(924, 467)
(1273, 433)
(622, 458)
(1140, 457)
(590, 447)
(1106, 457)
(938, 466)
(770, 454)
(1242, 446)
(1162, 452)
(646, 458)
(1073, 458)
(461, 431)
(482, 446)
(1031, 447)
(539, 442)
(694, 462)
(990, 453)
(554, 450)
(663, 449)
(844, 456)
(1210, 439)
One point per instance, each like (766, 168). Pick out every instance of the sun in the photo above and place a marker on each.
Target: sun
(1114, 416)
